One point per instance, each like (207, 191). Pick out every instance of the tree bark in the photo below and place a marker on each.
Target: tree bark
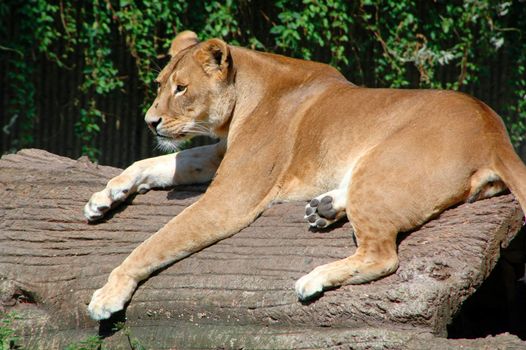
(238, 293)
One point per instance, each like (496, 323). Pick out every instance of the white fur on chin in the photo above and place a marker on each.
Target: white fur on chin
(168, 145)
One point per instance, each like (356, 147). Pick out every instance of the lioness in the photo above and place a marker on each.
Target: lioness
(296, 130)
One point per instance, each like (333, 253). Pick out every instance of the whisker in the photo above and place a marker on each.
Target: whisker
(203, 127)
(197, 128)
(157, 68)
(195, 131)
(168, 145)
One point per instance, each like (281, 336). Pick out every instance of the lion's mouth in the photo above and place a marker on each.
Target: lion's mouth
(172, 142)
(163, 137)
(171, 137)
(181, 133)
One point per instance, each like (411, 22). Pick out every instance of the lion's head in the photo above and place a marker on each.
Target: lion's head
(195, 93)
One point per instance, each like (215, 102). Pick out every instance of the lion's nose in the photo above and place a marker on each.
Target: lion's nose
(153, 123)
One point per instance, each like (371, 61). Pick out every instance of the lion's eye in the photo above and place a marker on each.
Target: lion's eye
(180, 89)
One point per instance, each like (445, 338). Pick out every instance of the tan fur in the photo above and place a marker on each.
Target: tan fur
(291, 129)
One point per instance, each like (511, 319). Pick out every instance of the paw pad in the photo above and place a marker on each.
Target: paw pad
(322, 212)
(318, 211)
(326, 208)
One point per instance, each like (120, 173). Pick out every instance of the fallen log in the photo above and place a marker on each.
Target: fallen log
(239, 292)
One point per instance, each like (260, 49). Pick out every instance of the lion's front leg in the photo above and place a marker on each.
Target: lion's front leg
(205, 222)
(196, 165)
(230, 204)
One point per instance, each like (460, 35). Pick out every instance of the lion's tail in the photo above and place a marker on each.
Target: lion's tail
(512, 171)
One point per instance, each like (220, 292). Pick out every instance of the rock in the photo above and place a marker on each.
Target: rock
(239, 292)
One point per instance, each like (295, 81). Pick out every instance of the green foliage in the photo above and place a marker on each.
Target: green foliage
(10, 341)
(8, 337)
(90, 343)
(515, 117)
(148, 27)
(88, 127)
(133, 342)
(21, 107)
(379, 43)
(310, 28)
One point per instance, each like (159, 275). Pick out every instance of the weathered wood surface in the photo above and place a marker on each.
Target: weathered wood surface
(237, 293)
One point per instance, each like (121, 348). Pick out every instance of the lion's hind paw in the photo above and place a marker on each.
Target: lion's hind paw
(325, 210)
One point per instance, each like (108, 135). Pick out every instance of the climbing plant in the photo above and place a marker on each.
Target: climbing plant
(378, 43)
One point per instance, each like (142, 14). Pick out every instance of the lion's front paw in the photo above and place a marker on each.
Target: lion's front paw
(111, 298)
(102, 306)
(310, 285)
(98, 205)
(101, 202)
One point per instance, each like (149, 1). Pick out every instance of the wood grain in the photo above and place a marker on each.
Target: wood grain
(239, 290)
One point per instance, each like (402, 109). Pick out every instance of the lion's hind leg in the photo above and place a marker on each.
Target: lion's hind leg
(394, 188)
(375, 257)
(326, 209)
(375, 223)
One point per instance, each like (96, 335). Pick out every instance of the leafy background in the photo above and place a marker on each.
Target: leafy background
(77, 76)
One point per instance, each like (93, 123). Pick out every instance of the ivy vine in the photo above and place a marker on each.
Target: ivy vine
(403, 43)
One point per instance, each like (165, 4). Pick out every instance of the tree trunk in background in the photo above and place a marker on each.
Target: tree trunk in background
(238, 293)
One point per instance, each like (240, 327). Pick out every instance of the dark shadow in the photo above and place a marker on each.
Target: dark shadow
(186, 191)
(112, 325)
(403, 235)
(499, 304)
(337, 224)
(313, 298)
(23, 296)
(173, 193)
(117, 320)
(115, 209)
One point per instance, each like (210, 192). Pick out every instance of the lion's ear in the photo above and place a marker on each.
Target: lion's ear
(214, 57)
(183, 41)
